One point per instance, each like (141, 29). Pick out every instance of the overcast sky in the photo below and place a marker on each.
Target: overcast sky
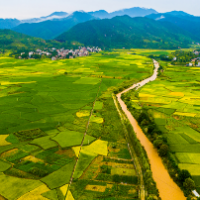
(23, 9)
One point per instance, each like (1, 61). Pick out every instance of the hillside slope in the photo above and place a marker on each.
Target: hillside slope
(8, 23)
(185, 21)
(128, 32)
(14, 42)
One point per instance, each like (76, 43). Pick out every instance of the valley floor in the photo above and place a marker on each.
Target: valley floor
(59, 123)
(63, 136)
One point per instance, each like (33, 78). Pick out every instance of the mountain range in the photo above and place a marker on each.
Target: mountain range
(124, 31)
(129, 28)
(50, 29)
(58, 22)
(132, 12)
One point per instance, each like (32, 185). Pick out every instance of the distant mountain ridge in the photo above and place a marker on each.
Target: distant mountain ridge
(9, 23)
(57, 16)
(53, 16)
(132, 12)
(52, 28)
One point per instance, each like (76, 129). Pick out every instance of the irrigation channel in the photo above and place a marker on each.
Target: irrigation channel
(167, 187)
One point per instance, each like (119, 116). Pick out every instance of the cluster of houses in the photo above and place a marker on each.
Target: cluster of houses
(196, 43)
(82, 51)
(194, 61)
(56, 54)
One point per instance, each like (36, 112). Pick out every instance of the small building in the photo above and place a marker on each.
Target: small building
(30, 53)
(196, 53)
(175, 59)
(195, 193)
(48, 54)
(53, 58)
(189, 64)
(193, 60)
(198, 64)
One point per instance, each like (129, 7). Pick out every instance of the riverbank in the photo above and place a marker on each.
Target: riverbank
(166, 186)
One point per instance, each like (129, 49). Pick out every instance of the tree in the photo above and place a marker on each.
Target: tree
(164, 149)
(196, 62)
(158, 143)
(189, 184)
(183, 175)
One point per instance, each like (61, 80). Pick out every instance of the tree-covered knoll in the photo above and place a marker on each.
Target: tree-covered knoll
(17, 42)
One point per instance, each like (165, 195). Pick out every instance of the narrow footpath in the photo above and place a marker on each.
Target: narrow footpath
(167, 187)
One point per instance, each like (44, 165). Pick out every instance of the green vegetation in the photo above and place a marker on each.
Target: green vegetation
(19, 186)
(72, 138)
(44, 142)
(16, 43)
(4, 166)
(59, 177)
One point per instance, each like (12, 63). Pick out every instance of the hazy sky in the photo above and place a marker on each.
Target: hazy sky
(36, 8)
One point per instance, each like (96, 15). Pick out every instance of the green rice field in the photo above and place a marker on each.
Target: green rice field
(45, 110)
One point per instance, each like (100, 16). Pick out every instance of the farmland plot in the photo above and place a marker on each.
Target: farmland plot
(45, 107)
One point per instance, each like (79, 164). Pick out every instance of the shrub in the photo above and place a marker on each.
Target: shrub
(106, 169)
(158, 143)
(183, 175)
(164, 149)
(189, 184)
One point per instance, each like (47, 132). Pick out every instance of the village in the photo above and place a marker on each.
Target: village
(193, 61)
(56, 54)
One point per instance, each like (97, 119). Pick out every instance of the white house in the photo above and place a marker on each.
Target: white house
(198, 64)
(175, 58)
(195, 193)
(189, 65)
(30, 53)
(196, 53)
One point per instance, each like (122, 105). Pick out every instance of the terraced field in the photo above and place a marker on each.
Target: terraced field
(172, 103)
(45, 141)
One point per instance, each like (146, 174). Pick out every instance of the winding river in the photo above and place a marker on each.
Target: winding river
(167, 187)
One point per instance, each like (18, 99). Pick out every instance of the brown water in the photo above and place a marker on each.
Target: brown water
(167, 187)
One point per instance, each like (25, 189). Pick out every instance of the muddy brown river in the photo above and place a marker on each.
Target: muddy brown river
(167, 187)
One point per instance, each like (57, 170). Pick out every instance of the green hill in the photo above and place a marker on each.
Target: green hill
(128, 32)
(10, 40)
(182, 20)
